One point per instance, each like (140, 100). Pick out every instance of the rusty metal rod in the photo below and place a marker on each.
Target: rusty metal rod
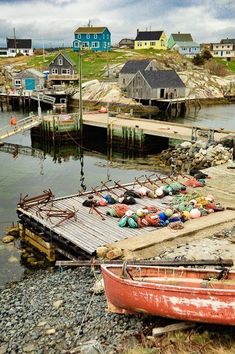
(176, 263)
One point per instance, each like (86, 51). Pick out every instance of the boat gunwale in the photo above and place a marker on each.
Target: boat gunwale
(166, 287)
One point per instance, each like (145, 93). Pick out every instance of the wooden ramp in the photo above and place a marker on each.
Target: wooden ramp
(43, 98)
(21, 125)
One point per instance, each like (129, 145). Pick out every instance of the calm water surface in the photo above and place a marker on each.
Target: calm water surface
(31, 175)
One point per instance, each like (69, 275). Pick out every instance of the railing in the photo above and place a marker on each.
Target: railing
(20, 126)
(43, 98)
(63, 77)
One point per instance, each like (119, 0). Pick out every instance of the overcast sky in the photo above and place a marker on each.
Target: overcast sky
(55, 20)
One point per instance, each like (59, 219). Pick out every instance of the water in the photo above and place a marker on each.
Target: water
(31, 175)
(218, 116)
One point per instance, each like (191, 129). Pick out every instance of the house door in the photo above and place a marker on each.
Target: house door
(30, 84)
(162, 92)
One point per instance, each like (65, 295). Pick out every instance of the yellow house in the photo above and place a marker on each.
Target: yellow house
(150, 39)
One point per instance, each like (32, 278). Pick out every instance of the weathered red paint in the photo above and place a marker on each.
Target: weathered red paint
(185, 294)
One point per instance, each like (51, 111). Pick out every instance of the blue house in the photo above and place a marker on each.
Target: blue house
(97, 39)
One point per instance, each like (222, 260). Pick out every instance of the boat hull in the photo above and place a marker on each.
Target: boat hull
(185, 302)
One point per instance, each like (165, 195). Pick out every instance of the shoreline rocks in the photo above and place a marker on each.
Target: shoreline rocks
(196, 154)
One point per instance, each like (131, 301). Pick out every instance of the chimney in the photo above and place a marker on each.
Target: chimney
(137, 31)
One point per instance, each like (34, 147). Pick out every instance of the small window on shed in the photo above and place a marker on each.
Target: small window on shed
(17, 82)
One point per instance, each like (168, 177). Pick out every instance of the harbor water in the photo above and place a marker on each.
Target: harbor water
(66, 170)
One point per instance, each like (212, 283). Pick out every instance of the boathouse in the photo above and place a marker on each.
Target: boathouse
(131, 67)
(62, 69)
(154, 85)
(29, 80)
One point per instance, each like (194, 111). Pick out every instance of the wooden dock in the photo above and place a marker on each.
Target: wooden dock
(144, 126)
(87, 229)
(74, 229)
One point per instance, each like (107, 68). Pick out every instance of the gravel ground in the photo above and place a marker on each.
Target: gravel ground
(54, 311)
(43, 313)
(218, 245)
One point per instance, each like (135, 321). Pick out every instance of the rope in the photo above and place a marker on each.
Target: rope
(85, 315)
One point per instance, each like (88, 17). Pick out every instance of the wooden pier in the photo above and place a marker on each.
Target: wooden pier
(76, 229)
(73, 229)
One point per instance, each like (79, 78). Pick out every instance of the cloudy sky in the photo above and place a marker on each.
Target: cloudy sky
(55, 20)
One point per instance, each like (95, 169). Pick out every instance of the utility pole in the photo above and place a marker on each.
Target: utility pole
(80, 96)
(43, 50)
(14, 34)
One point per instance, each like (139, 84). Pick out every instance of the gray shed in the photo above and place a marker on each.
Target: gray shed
(154, 85)
(29, 80)
(131, 67)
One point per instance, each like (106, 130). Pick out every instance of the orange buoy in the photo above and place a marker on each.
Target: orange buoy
(103, 110)
(13, 121)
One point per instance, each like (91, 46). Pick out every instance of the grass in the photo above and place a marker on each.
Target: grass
(95, 63)
(230, 65)
(220, 341)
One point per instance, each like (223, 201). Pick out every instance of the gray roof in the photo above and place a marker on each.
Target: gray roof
(132, 66)
(186, 44)
(148, 36)
(228, 41)
(182, 37)
(27, 73)
(19, 43)
(163, 79)
(66, 56)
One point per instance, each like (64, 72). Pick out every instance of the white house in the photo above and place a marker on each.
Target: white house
(224, 49)
(15, 46)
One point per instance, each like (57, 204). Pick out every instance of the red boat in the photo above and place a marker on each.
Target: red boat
(181, 293)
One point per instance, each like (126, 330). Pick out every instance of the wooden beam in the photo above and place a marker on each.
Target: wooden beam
(173, 327)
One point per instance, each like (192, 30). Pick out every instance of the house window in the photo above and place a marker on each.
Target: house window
(79, 36)
(104, 44)
(228, 52)
(17, 82)
(12, 50)
(85, 44)
(124, 81)
(162, 43)
(103, 36)
(95, 44)
(60, 61)
(26, 51)
(95, 36)
(152, 43)
(145, 43)
(107, 36)
(216, 53)
(139, 44)
(54, 71)
(65, 71)
(87, 36)
(216, 46)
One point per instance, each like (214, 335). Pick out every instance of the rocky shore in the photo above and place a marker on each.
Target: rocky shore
(196, 154)
(60, 310)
